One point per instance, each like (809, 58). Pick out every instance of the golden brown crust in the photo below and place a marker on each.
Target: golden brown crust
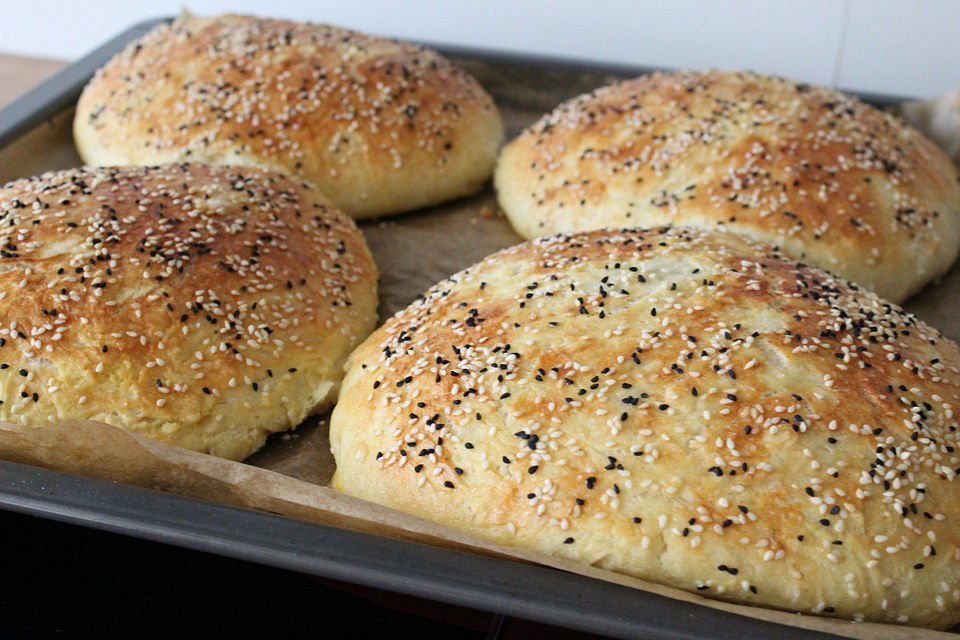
(202, 306)
(830, 180)
(687, 407)
(378, 126)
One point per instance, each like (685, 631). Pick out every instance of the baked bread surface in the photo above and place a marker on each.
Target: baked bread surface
(687, 407)
(378, 126)
(202, 306)
(828, 179)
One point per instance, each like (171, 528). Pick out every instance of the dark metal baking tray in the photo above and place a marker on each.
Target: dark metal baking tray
(479, 582)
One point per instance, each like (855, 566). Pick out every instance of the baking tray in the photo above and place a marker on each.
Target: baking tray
(480, 582)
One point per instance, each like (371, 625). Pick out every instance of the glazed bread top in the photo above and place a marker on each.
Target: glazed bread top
(688, 407)
(826, 178)
(202, 306)
(378, 126)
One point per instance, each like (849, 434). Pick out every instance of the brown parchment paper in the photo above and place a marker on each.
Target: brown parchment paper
(414, 251)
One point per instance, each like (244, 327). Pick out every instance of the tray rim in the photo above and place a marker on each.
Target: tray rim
(476, 581)
(536, 592)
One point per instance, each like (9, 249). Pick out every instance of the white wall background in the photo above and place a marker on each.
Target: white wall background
(905, 47)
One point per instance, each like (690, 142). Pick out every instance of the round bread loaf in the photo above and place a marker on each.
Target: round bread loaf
(378, 126)
(202, 306)
(827, 179)
(686, 407)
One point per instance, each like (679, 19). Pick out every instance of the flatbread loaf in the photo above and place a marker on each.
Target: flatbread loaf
(202, 306)
(688, 407)
(378, 126)
(826, 178)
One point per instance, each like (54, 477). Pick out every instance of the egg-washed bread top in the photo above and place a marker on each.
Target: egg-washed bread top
(378, 126)
(828, 179)
(202, 306)
(684, 406)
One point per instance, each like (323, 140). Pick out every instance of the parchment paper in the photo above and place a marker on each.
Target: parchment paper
(288, 476)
